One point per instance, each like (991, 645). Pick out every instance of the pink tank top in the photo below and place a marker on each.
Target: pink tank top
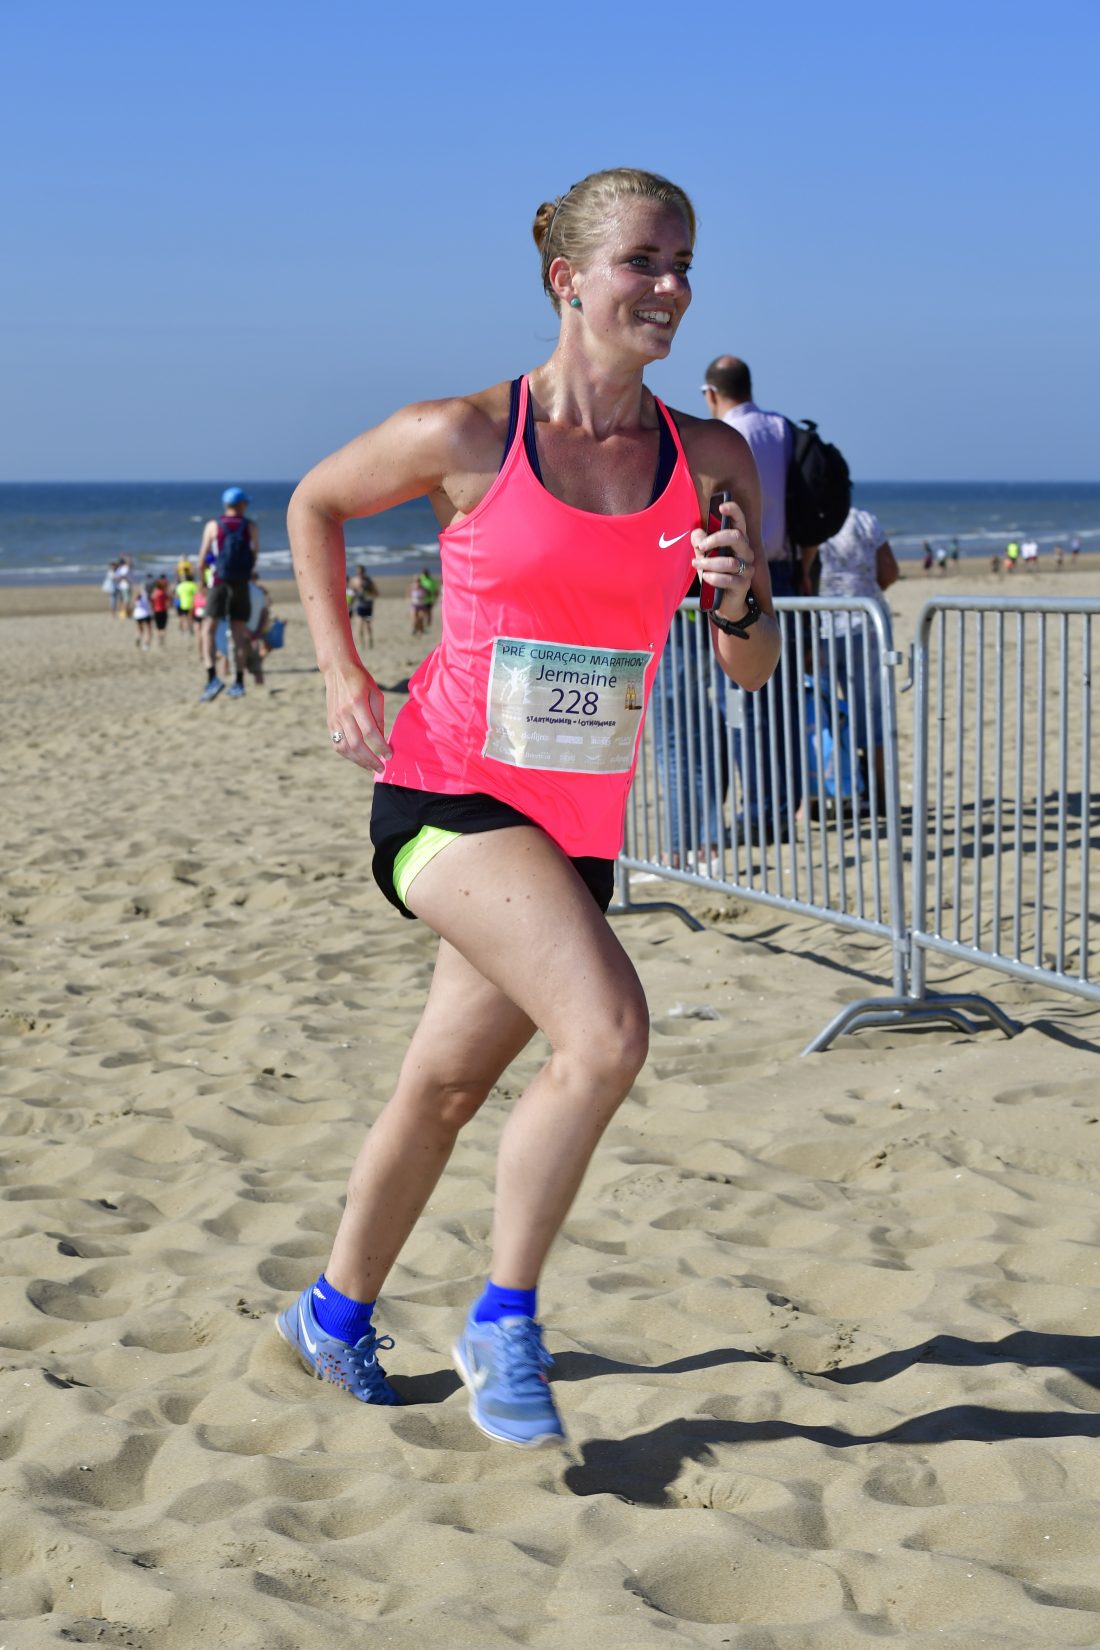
(553, 622)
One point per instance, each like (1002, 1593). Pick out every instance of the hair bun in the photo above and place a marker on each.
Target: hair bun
(544, 217)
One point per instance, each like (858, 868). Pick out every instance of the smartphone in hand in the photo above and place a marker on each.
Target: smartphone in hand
(714, 523)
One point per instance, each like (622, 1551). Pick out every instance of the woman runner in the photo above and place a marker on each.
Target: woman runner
(570, 504)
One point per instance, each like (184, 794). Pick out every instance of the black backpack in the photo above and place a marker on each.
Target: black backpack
(234, 563)
(819, 488)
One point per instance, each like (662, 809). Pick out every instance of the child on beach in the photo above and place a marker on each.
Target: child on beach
(418, 607)
(570, 504)
(186, 595)
(160, 599)
(110, 586)
(363, 594)
(142, 612)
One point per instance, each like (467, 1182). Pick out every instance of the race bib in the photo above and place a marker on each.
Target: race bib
(573, 709)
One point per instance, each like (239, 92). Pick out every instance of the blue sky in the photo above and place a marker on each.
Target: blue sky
(236, 234)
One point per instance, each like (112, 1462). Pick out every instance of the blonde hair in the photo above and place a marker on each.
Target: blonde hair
(574, 225)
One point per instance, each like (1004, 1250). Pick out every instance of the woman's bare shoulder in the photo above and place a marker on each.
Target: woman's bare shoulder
(467, 428)
(426, 448)
(713, 449)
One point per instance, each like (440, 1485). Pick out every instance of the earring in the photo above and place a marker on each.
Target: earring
(574, 303)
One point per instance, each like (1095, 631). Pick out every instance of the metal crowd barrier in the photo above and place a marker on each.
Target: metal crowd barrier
(763, 796)
(1005, 815)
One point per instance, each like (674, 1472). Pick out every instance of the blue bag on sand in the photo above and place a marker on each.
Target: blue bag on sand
(840, 770)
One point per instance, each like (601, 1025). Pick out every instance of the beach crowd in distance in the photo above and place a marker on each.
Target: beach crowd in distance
(70, 532)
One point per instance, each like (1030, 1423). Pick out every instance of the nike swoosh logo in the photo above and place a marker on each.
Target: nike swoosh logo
(665, 544)
(305, 1332)
(478, 1378)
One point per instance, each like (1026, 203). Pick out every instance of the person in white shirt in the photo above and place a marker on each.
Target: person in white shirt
(143, 615)
(857, 561)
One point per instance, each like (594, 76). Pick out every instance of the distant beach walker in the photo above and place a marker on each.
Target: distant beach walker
(69, 532)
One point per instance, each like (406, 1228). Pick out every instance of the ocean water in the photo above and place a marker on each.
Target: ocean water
(67, 532)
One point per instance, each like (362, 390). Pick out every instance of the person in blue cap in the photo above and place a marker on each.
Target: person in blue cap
(231, 546)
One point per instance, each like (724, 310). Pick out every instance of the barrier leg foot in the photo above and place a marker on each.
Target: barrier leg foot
(623, 908)
(974, 1004)
(903, 1011)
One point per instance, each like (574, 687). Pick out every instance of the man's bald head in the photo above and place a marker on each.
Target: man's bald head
(730, 379)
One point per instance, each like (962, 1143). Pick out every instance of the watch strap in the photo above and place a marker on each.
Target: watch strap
(737, 627)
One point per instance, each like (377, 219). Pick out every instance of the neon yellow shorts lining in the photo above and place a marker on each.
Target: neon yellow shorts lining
(420, 851)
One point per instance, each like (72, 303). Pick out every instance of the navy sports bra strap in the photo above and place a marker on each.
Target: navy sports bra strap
(529, 438)
(513, 418)
(666, 458)
(666, 449)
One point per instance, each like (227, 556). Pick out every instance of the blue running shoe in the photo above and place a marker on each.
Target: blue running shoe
(504, 1367)
(211, 690)
(355, 1368)
(236, 691)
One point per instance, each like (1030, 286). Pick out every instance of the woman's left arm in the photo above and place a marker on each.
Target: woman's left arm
(732, 560)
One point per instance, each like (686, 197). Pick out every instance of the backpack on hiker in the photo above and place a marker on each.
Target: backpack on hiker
(234, 563)
(819, 488)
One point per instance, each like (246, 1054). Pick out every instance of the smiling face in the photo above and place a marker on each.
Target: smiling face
(634, 288)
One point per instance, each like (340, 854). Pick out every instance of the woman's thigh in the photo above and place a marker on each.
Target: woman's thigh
(469, 1032)
(515, 908)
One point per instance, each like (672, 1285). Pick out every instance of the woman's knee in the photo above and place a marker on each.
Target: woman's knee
(614, 1052)
(447, 1103)
(632, 1044)
(459, 1103)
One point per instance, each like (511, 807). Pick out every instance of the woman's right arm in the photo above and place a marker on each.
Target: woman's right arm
(406, 457)
(887, 571)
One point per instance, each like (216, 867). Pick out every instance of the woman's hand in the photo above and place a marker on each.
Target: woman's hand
(356, 712)
(725, 559)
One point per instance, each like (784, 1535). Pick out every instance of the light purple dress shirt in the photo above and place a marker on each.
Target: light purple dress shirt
(769, 437)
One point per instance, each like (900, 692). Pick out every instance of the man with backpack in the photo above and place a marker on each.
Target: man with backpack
(805, 495)
(234, 542)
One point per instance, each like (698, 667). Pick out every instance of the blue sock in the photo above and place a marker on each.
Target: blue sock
(338, 1314)
(498, 1303)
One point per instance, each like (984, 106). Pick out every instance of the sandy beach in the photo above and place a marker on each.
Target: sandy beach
(826, 1330)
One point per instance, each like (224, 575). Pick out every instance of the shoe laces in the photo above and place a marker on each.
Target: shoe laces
(526, 1360)
(368, 1371)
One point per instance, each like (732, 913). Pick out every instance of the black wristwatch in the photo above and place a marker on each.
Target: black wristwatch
(738, 627)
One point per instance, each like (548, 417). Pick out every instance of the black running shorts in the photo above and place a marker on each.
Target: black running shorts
(399, 814)
(229, 601)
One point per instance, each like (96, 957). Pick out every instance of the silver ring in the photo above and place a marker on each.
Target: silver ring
(740, 571)
(337, 736)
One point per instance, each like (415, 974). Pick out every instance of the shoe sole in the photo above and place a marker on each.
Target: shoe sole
(543, 1439)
